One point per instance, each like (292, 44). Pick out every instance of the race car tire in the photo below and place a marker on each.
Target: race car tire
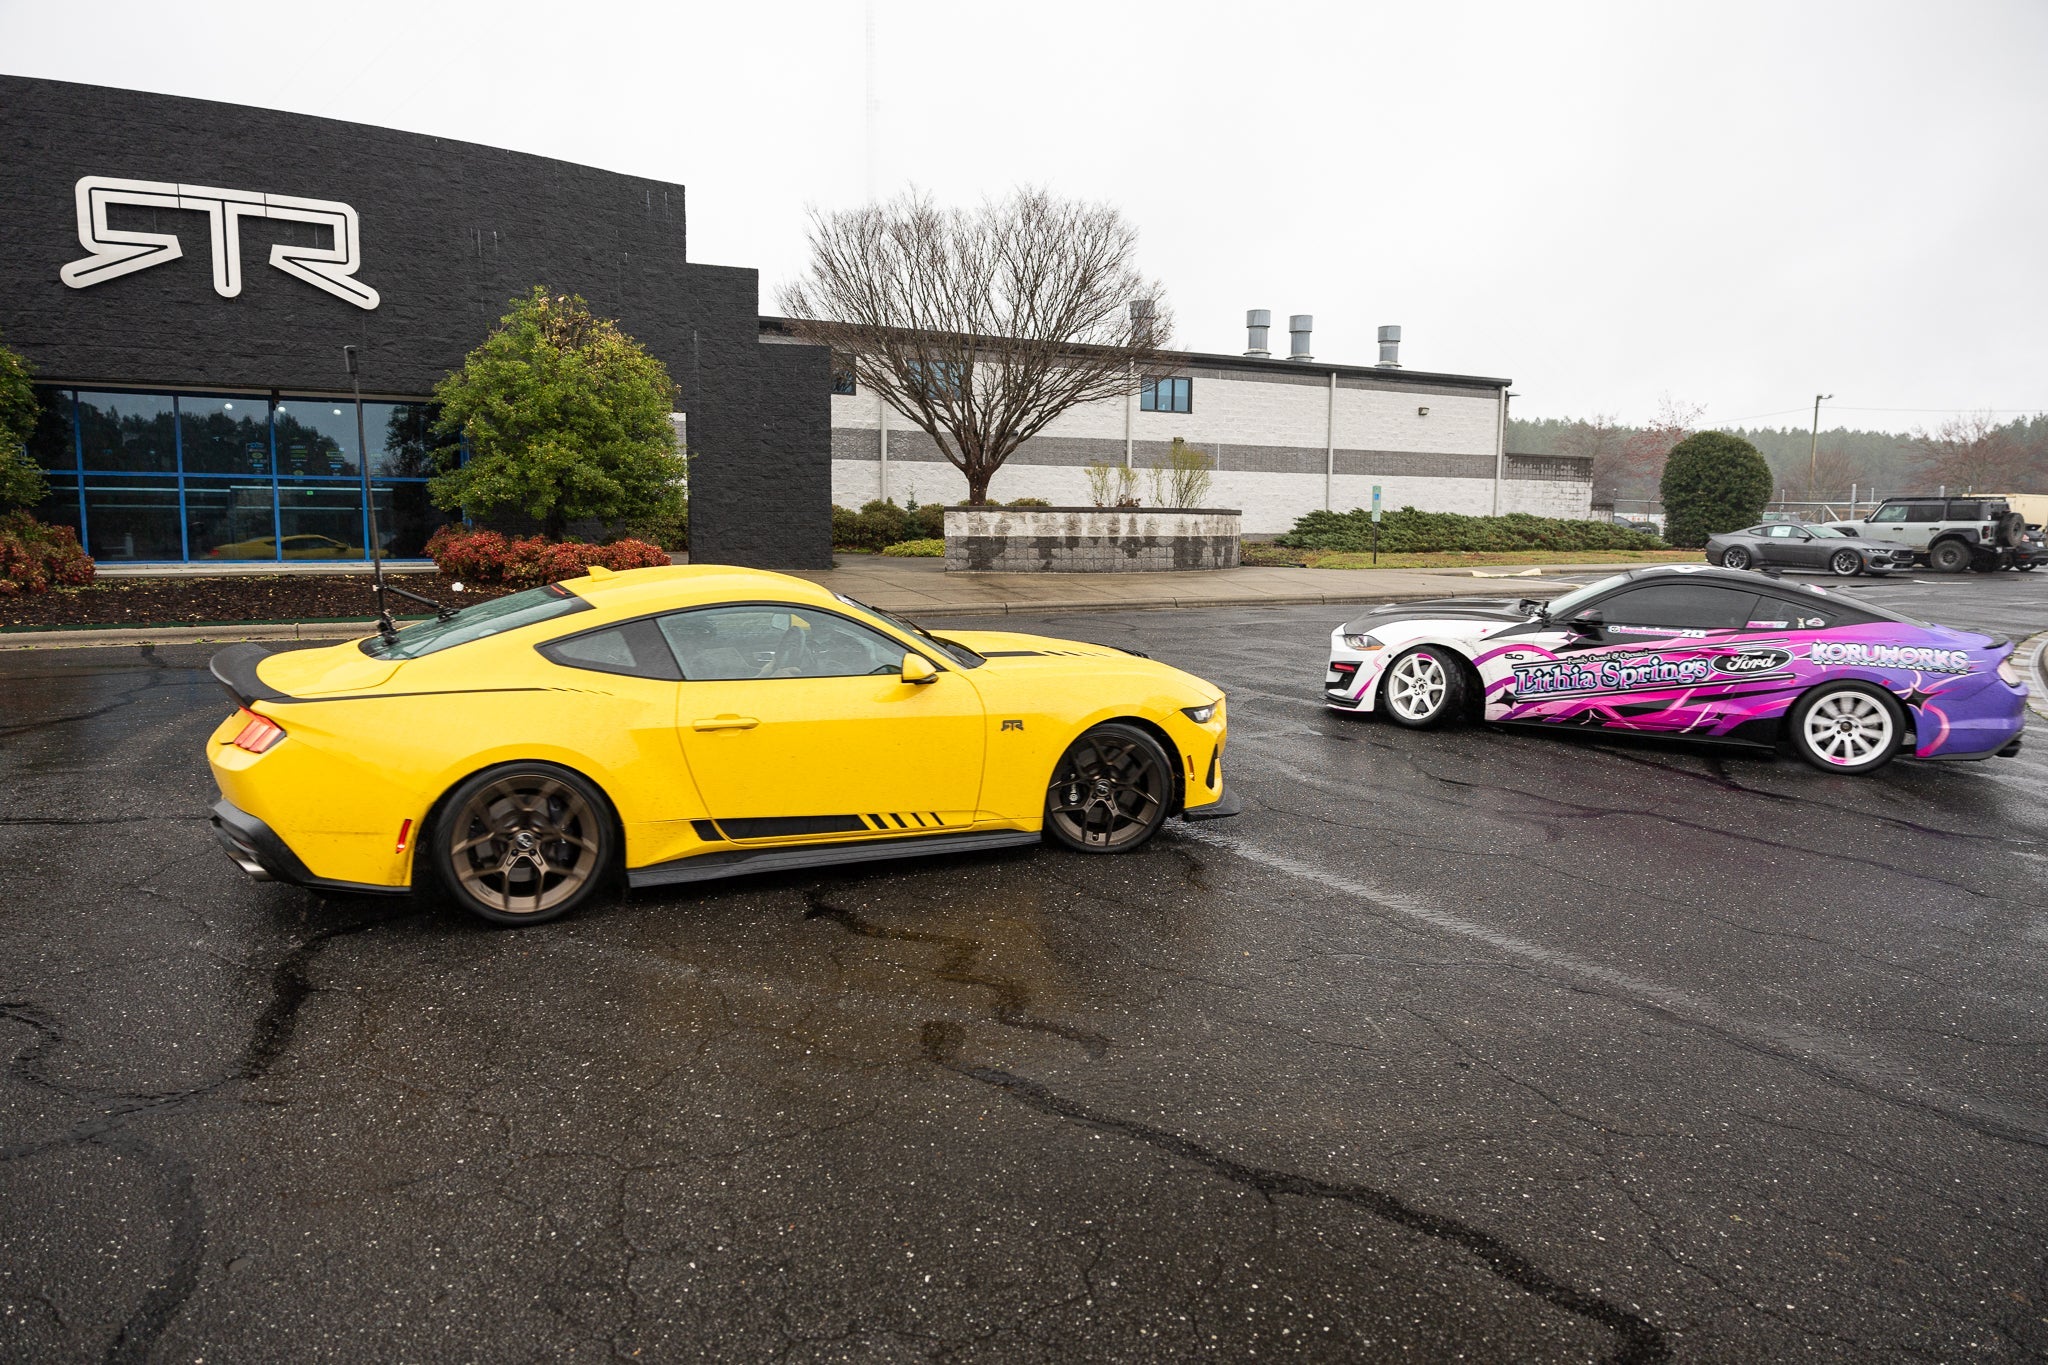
(1949, 556)
(1847, 727)
(524, 843)
(1423, 688)
(1734, 557)
(1111, 791)
(1845, 563)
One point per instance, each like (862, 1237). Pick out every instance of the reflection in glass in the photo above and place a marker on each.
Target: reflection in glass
(227, 519)
(128, 431)
(52, 444)
(322, 520)
(315, 437)
(405, 518)
(133, 519)
(225, 435)
(59, 506)
(408, 440)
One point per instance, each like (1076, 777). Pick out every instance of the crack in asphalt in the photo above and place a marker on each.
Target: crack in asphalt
(181, 1206)
(1641, 1342)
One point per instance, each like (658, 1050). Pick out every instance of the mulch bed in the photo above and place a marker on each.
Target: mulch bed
(225, 601)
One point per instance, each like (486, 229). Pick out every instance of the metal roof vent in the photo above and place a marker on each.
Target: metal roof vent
(1298, 328)
(1256, 321)
(1390, 348)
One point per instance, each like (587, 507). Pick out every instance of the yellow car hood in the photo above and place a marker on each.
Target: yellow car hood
(1002, 646)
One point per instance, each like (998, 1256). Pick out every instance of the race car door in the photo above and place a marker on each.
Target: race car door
(796, 721)
(1641, 658)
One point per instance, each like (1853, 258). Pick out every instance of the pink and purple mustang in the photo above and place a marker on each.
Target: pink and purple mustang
(1697, 653)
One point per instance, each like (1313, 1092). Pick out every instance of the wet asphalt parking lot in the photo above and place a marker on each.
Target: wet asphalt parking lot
(1469, 1044)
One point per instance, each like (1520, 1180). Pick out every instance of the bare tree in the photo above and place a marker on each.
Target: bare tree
(1973, 454)
(981, 325)
(1599, 439)
(1644, 451)
(1835, 471)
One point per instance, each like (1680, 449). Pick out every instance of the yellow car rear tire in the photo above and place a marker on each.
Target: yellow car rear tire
(524, 843)
(1112, 790)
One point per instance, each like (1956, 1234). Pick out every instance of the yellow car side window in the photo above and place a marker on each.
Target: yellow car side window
(722, 644)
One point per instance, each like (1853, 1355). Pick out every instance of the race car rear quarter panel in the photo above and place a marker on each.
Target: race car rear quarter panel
(1739, 685)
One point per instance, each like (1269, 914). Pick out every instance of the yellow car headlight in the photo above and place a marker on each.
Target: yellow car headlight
(1201, 715)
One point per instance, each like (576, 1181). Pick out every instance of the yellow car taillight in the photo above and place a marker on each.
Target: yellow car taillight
(260, 735)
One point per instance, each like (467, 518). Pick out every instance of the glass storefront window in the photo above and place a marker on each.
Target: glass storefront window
(133, 519)
(59, 506)
(315, 437)
(406, 518)
(322, 520)
(409, 440)
(53, 444)
(134, 432)
(225, 435)
(229, 519)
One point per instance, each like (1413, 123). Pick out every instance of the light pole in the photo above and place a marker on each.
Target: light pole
(1813, 449)
(384, 624)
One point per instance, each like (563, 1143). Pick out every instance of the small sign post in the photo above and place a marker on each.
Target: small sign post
(1375, 525)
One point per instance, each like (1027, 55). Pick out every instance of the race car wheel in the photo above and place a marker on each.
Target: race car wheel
(1423, 688)
(1847, 727)
(1734, 557)
(1949, 556)
(524, 843)
(1845, 563)
(1111, 790)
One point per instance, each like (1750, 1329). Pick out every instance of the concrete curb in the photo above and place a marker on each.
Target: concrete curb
(91, 637)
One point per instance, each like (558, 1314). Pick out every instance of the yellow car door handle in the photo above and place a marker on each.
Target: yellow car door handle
(725, 723)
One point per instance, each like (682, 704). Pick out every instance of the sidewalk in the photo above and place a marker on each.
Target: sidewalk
(923, 590)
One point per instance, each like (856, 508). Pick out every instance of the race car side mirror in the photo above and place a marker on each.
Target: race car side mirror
(1587, 623)
(918, 669)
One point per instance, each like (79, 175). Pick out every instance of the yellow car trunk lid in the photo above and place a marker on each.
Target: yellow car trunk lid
(323, 672)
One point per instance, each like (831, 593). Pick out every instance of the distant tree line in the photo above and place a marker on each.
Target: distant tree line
(1971, 451)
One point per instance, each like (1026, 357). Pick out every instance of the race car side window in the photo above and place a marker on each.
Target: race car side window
(1658, 607)
(1809, 613)
(635, 649)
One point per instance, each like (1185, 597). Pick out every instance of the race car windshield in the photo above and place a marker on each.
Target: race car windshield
(1570, 602)
(478, 622)
(952, 649)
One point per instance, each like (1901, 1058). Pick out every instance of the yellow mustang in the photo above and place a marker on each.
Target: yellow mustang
(679, 724)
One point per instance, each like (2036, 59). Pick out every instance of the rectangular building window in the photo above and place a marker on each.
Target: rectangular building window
(1164, 394)
(842, 374)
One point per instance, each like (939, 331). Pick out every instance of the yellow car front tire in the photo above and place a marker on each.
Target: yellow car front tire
(1112, 790)
(524, 843)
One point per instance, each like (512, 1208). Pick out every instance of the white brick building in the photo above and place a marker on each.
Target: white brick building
(1285, 436)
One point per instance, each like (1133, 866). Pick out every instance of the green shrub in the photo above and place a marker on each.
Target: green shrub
(566, 418)
(878, 525)
(1027, 502)
(916, 549)
(1408, 531)
(1713, 482)
(21, 483)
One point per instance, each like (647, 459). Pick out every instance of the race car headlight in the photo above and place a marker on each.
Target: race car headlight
(1362, 642)
(2007, 673)
(1202, 715)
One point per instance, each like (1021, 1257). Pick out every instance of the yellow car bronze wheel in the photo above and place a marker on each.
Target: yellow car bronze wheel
(1111, 791)
(524, 843)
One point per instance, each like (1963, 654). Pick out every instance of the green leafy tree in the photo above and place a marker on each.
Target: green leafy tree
(1713, 482)
(566, 418)
(21, 483)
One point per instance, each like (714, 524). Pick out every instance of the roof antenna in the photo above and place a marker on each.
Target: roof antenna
(384, 626)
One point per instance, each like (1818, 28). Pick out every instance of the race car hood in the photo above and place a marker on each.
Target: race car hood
(1495, 609)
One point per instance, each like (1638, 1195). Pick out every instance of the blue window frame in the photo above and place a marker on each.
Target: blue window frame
(1162, 393)
(157, 476)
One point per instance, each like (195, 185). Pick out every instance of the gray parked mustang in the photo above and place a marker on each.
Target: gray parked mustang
(1788, 545)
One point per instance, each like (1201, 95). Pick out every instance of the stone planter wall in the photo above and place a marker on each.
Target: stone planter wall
(1091, 539)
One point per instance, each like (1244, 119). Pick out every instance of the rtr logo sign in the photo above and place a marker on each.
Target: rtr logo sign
(120, 251)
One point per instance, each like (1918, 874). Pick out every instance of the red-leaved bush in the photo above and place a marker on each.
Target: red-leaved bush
(34, 556)
(488, 557)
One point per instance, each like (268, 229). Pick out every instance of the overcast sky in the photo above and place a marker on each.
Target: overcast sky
(1734, 204)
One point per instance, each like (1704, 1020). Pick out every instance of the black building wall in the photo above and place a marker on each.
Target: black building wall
(449, 232)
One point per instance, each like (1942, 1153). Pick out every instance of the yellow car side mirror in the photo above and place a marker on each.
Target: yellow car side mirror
(918, 669)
